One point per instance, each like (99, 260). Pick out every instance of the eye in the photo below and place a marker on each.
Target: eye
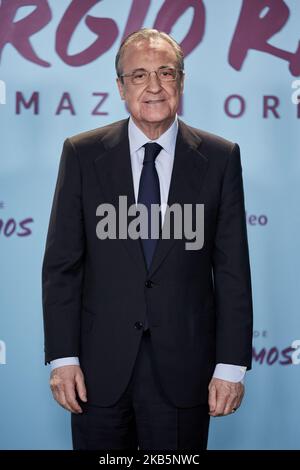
(140, 75)
(167, 74)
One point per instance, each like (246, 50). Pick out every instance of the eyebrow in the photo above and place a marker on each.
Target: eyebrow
(139, 70)
(144, 70)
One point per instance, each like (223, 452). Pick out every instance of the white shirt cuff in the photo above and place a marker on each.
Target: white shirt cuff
(230, 372)
(64, 361)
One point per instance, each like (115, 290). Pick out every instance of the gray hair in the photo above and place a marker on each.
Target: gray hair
(146, 34)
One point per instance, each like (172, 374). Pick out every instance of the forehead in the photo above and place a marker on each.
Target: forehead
(145, 52)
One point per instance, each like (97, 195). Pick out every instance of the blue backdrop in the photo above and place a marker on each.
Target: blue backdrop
(57, 79)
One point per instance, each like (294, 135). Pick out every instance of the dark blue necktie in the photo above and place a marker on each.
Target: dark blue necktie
(149, 193)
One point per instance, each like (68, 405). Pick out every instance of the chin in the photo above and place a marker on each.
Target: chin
(156, 116)
(153, 119)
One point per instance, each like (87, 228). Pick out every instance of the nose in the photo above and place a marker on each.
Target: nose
(154, 84)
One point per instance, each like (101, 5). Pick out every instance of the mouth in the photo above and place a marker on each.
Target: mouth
(154, 101)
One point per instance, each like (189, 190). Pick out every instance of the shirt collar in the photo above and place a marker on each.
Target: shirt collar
(167, 140)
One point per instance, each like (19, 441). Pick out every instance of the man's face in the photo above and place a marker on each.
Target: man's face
(153, 102)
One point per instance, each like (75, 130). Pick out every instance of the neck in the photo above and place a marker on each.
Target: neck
(154, 130)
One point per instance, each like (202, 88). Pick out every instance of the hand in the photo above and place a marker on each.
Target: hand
(224, 396)
(64, 382)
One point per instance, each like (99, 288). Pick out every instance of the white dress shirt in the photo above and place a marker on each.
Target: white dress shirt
(164, 165)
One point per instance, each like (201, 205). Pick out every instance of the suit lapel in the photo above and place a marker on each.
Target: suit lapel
(188, 174)
(113, 168)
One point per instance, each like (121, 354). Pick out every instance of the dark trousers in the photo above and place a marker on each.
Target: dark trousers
(143, 418)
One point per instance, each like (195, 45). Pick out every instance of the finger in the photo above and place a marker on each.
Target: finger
(241, 395)
(57, 390)
(221, 404)
(236, 403)
(80, 386)
(212, 398)
(72, 403)
(223, 395)
(60, 397)
(230, 405)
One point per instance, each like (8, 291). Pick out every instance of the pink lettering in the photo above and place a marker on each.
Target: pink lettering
(255, 29)
(96, 111)
(169, 14)
(65, 104)
(18, 33)
(33, 100)
(242, 106)
(105, 28)
(271, 103)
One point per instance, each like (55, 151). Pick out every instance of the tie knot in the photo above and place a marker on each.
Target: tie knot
(152, 149)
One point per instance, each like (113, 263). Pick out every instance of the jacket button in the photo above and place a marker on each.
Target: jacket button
(149, 284)
(138, 325)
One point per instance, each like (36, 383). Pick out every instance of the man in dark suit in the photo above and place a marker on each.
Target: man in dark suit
(146, 338)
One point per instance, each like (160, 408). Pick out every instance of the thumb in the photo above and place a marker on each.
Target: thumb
(80, 386)
(212, 398)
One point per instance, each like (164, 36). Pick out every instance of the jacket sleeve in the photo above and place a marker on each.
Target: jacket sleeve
(231, 271)
(62, 271)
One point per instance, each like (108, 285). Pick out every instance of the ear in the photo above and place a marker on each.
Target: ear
(182, 83)
(121, 88)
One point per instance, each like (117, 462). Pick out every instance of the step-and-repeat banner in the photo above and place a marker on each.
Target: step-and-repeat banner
(242, 82)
